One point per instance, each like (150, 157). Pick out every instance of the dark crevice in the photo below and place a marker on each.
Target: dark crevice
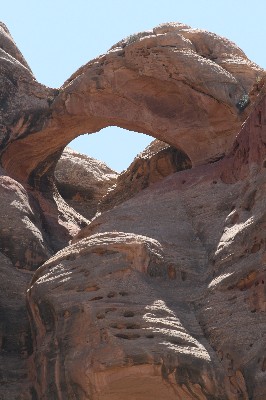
(215, 159)
(131, 336)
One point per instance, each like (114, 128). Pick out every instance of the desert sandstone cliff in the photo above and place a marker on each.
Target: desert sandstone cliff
(149, 285)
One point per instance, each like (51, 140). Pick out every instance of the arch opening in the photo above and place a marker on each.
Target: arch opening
(115, 146)
(90, 184)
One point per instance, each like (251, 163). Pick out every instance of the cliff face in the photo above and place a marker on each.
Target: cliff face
(162, 294)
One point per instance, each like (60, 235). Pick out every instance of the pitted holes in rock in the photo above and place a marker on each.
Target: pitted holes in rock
(92, 288)
(129, 314)
(96, 298)
(111, 295)
(123, 293)
(125, 326)
(150, 336)
(128, 336)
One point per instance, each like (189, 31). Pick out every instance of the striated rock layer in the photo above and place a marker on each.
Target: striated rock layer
(162, 295)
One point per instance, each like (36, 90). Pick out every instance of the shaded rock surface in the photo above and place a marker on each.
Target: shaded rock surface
(15, 334)
(82, 181)
(163, 295)
(33, 224)
(27, 240)
(156, 162)
(22, 238)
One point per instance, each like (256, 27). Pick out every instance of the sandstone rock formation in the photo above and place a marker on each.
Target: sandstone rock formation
(166, 290)
(82, 181)
(22, 238)
(15, 333)
(126, 332)
(180, 85)
(162, 296)
(156, 162)
(23, 99)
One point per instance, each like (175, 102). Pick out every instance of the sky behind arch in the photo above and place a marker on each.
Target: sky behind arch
(58, 36)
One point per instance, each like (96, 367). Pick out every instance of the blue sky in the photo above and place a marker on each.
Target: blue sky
(58, 36)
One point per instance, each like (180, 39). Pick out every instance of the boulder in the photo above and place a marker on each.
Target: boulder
(82, 181)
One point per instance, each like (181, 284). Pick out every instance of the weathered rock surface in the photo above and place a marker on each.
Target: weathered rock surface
(27, 240)
(162, 296)
(15, 334)
(165, 291)
(82, 181)
(24, 106)
(33, 225)
(156, 162)
(113, 317)
(23, 99)
(180, 85)
(22, 237)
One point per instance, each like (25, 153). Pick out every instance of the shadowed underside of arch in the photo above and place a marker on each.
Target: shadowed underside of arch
(183, 86)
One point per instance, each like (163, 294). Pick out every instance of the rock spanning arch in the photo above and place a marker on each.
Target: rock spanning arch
(137, 281)
(183, 86)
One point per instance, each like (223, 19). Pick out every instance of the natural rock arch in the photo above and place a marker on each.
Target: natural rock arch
(180, 85)
(193, 240)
